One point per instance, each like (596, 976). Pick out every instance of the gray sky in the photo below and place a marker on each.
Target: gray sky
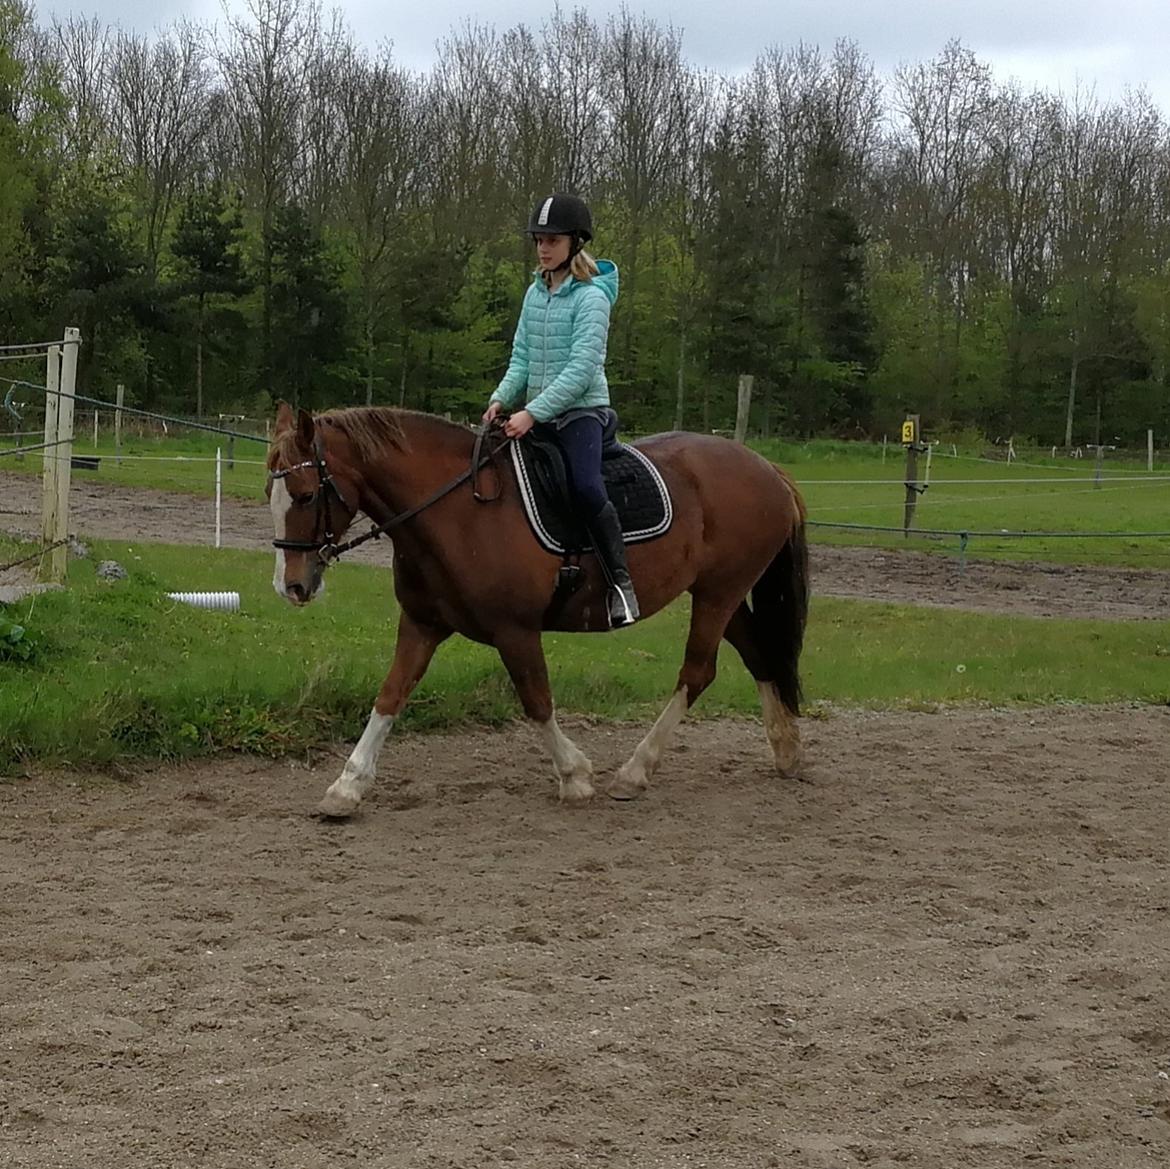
(1057, 44)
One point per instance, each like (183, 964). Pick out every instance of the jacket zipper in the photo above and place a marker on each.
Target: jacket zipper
(547, 312)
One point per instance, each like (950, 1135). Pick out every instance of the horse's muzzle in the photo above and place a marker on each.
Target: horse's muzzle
(297, 593)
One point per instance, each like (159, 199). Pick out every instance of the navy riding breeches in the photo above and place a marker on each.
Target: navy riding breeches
(580, 443)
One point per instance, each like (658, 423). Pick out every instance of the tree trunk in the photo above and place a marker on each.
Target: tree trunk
(199, 363)
(680, 392)
(402, 375)
(369, 355)
(266, 300)
(1072, 400)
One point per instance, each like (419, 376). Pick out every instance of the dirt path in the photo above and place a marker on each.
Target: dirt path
(109, 512)
(949, 948)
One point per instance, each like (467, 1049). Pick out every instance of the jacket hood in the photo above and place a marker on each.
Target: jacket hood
(607, 279)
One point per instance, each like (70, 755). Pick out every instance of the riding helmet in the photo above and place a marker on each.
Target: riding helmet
(562, 215)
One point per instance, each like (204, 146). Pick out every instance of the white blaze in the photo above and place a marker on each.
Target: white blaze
(280, 501)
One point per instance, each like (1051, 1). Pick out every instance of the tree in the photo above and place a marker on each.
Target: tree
(82, 48)
(96, 280)
(159, 113)
(308, 310)
(16, 179)
(206, 248)
(382, 144)
(644, 87)
(944, 106)
(265, 67)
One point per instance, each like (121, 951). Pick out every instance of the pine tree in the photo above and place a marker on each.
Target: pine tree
(207, 253)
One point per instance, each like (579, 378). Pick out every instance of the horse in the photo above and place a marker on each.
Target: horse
(467, 562)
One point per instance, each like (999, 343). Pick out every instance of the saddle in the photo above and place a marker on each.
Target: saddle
(633, 483)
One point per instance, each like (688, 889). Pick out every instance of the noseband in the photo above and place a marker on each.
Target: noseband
(326, 547)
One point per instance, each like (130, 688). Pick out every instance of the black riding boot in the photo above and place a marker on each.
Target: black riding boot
(606, 530)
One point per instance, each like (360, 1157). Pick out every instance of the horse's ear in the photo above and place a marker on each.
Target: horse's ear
(284, 419)
(305, 430)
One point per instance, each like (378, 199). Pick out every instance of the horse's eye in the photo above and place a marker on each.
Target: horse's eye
(304, 499)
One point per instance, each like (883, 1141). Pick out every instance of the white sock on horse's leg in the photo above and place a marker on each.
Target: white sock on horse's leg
(345, 793)
(574, 771)
(634, 775)
(783, 731)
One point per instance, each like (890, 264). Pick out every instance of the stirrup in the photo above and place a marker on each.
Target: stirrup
(621, 611)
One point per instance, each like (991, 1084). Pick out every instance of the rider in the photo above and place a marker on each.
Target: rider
(558, 365)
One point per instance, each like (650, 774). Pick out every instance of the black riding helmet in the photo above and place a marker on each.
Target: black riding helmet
(562, 215)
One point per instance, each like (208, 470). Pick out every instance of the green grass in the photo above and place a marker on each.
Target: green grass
(119, 670)
(184, 461)
(850, 483)
(842, 483)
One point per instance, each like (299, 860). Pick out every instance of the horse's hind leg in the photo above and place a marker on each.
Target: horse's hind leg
(779, 722)
(708, 620)
(523, 657)
(413, 650)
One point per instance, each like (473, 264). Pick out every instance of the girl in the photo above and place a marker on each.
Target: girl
(558, 365)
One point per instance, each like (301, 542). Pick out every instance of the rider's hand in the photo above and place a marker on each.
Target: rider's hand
(490, 413)
(519, 424)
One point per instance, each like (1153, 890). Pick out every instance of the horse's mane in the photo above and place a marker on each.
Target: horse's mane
(371, 428)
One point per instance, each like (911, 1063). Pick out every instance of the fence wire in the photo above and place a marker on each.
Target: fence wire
(138, 413)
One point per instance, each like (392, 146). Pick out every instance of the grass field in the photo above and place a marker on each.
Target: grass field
(117, 669)
(852, 484)
(843, 483)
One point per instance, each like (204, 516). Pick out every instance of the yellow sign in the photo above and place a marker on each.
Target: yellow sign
(908, 435)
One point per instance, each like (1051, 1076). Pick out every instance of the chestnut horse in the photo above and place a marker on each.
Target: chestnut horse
(470, 566)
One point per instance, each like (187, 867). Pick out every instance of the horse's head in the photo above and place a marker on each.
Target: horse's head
(313, 498)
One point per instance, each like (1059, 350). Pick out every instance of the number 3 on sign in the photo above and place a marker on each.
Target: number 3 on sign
(908, 435)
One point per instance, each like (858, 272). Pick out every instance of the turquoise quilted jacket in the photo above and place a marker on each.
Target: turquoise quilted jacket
(558, 353)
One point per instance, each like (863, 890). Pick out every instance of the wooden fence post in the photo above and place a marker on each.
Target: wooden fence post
(910, 436)
(118, 424)
(743, 406)
(65, 411)
(49, 457)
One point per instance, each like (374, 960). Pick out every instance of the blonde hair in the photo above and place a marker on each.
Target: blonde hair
(583, 266)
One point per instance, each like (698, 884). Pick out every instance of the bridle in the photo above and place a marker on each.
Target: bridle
(327, 548)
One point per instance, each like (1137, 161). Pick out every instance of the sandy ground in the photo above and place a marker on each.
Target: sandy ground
(907, 578)
(949, 947)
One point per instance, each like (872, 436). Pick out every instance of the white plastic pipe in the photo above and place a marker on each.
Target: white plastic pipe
(226, 602)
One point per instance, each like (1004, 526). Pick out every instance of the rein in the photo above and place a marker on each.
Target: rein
(328, 551)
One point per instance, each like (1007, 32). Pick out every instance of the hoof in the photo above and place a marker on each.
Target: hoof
(790, 764)
(337, 807)
(627, 785)
(576, 792)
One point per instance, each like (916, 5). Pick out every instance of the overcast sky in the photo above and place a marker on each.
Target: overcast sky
(1056, 44)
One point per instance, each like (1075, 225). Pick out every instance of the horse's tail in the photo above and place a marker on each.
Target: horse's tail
(780, 607)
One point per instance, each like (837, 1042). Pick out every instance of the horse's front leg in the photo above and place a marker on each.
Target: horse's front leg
(523, 657)
(413, 651)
